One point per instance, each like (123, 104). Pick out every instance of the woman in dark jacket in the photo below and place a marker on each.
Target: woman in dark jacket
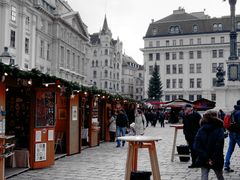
(208, 144)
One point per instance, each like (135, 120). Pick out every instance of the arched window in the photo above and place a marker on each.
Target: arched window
(95, 53)
(172, 30)
(177, 30)
(117, 66)
(220, 27)
(215, 27)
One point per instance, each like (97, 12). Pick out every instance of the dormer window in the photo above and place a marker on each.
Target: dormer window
(195, 28)
(215, 27)
(220, 27)
(154, 31)
(174, 30)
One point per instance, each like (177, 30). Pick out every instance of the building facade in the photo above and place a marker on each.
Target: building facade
(132, 78)
(47, 35)
(105, 67)
(187, 47)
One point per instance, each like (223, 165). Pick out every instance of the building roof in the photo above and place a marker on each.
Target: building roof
(186, 22)
(94, 38)
(105, 27)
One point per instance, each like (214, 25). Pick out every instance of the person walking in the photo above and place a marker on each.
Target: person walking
(208, 144)
(191, 125)
(122, 124)
(161, 118)
(233, 137)
(140, 122)
(112, 126)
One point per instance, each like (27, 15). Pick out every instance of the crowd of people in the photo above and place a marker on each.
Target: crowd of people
(204, 134)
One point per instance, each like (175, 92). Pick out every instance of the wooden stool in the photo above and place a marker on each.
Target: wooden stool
(177, 127)
(135, 142)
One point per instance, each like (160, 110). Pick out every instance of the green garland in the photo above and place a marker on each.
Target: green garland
(38, 79)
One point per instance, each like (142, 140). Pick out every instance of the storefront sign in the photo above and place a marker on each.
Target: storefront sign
(74, 113)
(50, 135)
(38, 137)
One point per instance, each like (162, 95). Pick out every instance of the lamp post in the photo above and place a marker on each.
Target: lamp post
(6, 58)
(233, 65)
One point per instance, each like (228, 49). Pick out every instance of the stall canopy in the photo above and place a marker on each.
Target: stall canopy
(203, 104)
(155, 104)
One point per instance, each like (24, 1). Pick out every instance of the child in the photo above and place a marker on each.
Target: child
(132, 131)
(209, 143)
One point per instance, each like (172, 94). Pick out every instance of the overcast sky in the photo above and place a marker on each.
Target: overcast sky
(129, 19)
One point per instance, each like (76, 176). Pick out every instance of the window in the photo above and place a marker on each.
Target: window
(195, 28)
(214, 67)
(199, 96)
(174, 55)
(180, 83)
(13, 13)
(95, 53)
(167, 43)
(154, 31)
(174, 97)
(212, 40)
(191, 68)
(221, 39)
(199, 68)
(177, 30)
(105, 84)
(168, 70)
(105, 73)
(48, 51)
(168, 83)
(174, 42)
(191, 97)
(191, 41)
(174, 68)
(62, 56)
(220, 52)
(180, 68)
(174, 83)
(180, 96)
(158, 43)
(150, 44)
(73, 62)
(214, 81)
(220, 27)
(167, 55)
(191, 83)
(238, 25)
(42, 49)
(214, 53)
(181, 42)
(158, 68)
(27, 22)
(92, 63)
(68, 59)
(106, 62)
(167, 98)
(157, 56)
(94, 74)
(150, 70)
(12, 39)
(26, 45)
(199, 83)
(150, 57)
(199, 41)
(191, 55)
(96, 63)
(221, 65)
(172, 30)
(215, 27)
(106, 52)
(213, 97)
(199, 54)
(180, 55)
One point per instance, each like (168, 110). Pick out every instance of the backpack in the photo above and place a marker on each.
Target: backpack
(230, 123)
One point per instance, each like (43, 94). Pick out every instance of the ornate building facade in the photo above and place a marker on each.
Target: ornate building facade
(47, 35)
(188, 48)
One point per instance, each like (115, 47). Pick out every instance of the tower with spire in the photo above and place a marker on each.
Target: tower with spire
(105, 66)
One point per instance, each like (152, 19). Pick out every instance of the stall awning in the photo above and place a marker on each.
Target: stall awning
(203, 104)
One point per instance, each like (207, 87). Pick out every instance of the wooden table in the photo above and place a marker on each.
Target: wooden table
(135, 142)
(177, 127)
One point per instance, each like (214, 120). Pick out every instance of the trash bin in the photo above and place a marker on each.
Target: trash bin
(183, 150)
(140, 175)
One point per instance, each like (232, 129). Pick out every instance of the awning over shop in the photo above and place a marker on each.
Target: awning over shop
(203, 104)
(177, 103)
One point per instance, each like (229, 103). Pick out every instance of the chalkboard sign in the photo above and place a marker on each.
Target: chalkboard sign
(45, 109)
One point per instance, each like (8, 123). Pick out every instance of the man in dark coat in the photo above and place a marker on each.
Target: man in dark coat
(191, 125)
(122, 124)
(208, 144)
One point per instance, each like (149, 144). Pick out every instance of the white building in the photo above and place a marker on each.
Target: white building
(105, 67)
(45, 34)
(132, 78)
(187, 47)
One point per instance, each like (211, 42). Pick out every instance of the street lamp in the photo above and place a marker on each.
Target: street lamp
(6, 58)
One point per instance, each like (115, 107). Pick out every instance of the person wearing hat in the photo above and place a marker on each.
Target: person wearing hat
(234, 137)
(191, 125)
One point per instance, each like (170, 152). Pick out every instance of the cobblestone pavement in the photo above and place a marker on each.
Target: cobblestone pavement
(106, 162)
